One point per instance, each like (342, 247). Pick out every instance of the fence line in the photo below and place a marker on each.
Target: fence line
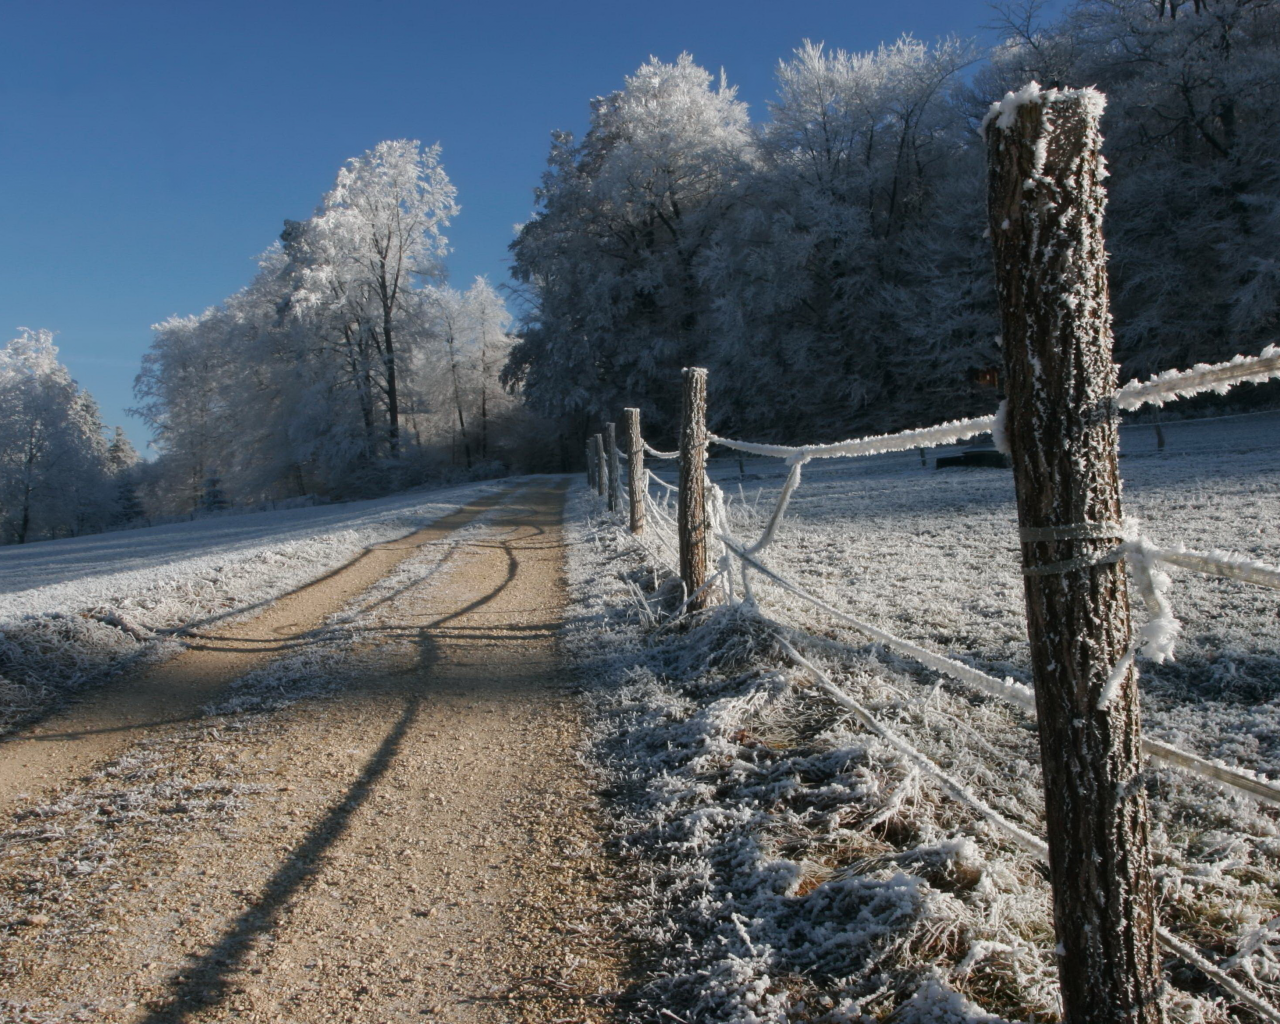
(1139, 552)
(1165, 387)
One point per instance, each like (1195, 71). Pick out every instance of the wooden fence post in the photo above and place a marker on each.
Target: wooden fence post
(636, 482)
(615, 478)
(602, 467)
(692, 519)
(1045, 205)
(591, 469)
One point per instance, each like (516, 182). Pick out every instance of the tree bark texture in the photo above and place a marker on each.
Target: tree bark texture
(393, 399)
(615, 478)
(692, 519)
(602, 467)
(636, 482)
(1045, 203)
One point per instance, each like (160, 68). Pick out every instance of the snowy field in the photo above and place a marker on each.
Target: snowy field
(52, 574)
(932, 556)
(802, 868)
(73, 610)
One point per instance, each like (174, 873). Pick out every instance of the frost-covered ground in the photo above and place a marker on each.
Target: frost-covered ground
(802, 868)
(71, 611)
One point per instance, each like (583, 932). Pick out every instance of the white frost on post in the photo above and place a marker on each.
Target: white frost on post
(1158, 636)
(1004, 111)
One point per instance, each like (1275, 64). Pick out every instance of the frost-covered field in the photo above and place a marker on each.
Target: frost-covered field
(73, 610)
(932, 556)
(803, 868)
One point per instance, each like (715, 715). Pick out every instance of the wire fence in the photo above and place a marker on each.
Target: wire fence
(737, 560)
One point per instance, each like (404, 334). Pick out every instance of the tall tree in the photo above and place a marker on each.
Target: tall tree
(380, 229)
(611, 258)
(53, 456)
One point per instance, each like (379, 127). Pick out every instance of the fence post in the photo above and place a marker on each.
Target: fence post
(615, 478)
(602, 468)
(693, 498)
(636, 482)
(591, 469)
(1045, 205)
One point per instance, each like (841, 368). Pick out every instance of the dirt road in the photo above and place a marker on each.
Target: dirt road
(414, 839)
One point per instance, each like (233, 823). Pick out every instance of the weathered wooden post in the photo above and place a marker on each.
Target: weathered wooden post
(1045, 204)
(636, 482)
(602, 467)
(692, 518)
(591, 469)
(615, 477)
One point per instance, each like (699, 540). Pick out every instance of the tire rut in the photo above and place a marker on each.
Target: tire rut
(420, 844)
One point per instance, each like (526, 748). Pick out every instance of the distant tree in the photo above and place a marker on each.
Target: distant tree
(183, 399)
(1193, 146)
(377, 233)
(471, 329)
(53, 457)
(828, 264)
(853, 270)
(490, 323)
(122, 462)
(121, 454)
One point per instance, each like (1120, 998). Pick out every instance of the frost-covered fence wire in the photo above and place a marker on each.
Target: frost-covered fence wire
(1203, 377)
(1164, 387)
(1221, 563)
(876, 444)
(1010, 690)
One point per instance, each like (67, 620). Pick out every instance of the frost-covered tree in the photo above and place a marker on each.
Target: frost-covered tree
(344, 367)
(377, 234)
(121, 454)
(610, 261)
(490, 326)
(853, 272)
(469, 347)
(182, 399)
(54, 468)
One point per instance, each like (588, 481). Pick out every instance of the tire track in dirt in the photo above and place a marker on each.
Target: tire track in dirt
(117, 715)
(422, 844)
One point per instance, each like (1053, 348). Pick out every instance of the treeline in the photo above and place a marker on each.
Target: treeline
(59, 475)
(347, 367)
(829, 263)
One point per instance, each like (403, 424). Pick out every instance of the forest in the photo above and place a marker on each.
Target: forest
(828, 264)
(826, 261)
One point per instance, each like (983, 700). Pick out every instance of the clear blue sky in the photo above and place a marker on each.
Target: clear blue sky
(148, 151)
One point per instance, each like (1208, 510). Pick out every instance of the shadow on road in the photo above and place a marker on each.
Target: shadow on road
(208, 981)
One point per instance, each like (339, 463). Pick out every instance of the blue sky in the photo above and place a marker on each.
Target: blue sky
(148, 151)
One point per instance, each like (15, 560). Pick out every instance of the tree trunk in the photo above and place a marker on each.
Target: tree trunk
(457, 401)
(1045, 203)
(637, 484)
(25, 525)
(393, 403)
(692, 519)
